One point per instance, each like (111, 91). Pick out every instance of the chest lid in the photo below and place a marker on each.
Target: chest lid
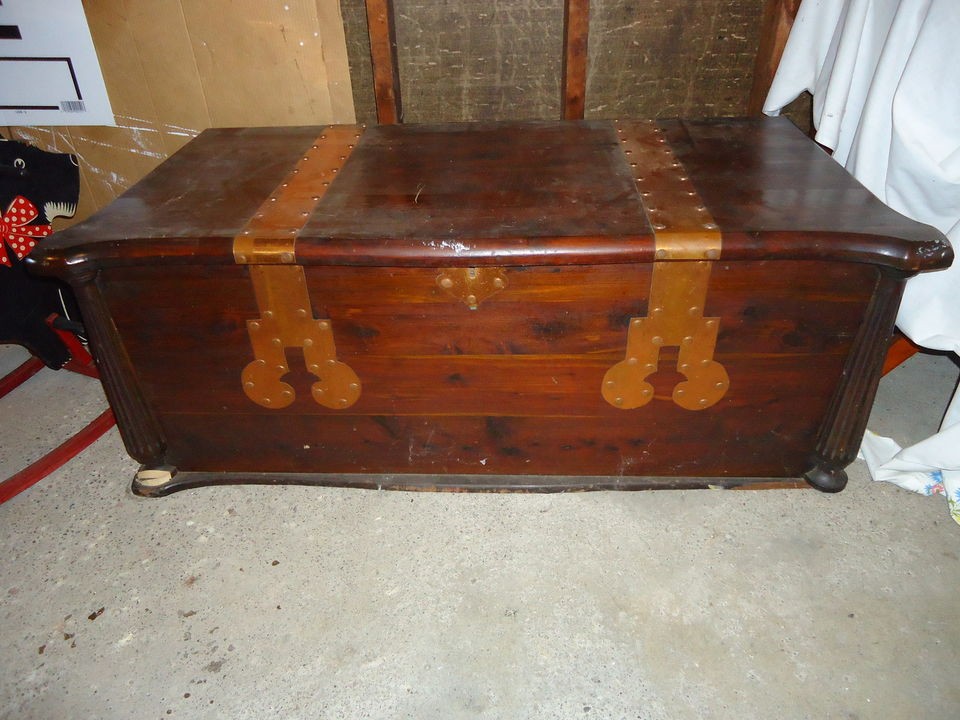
(498, 193)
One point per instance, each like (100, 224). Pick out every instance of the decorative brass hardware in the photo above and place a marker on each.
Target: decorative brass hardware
(686, 240)
(270, 236)
(677, 295)
(268, 245)
(472, 285)
(286, 320)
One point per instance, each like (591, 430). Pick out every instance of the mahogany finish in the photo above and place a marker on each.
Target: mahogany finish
(507, 395)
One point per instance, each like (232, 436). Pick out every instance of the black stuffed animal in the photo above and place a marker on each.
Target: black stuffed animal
(35, 188)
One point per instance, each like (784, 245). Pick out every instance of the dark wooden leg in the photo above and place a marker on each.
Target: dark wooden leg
(846, 417)
(827, 477)
(138, 426)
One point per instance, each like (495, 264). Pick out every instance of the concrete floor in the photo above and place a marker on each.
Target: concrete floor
(291, 602)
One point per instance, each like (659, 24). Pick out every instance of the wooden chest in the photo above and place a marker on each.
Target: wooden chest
(549, 305)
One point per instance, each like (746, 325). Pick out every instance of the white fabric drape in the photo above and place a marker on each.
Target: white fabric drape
(885, 78)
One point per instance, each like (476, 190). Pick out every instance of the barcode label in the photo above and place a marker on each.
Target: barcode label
(73, 106)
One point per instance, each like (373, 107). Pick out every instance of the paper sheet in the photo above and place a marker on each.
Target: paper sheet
(50, 71)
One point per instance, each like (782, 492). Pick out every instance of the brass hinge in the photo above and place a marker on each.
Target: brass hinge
(268, 245)
(686, 241)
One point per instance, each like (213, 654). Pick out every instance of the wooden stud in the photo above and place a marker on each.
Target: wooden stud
(383, 53)
(576, 27)
(778, 17)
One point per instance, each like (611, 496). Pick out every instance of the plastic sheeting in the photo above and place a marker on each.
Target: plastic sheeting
(886, 90)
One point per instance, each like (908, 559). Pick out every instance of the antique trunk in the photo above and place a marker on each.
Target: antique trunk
(544, 305)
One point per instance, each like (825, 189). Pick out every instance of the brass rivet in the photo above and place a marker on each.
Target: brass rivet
(498, 283)
(657, 340)
(681, 392)
(324, 325)
(295, 171)
(241, 257)
(344, 401)
(308, 342)
(633, 164)
(711, 323)
(254, 326)
(471, 299)
(316, 198)
(334, 170)
(661, 254)
(694, 310)
(704, 363)
(313, 367)
(248, 384)
(684, 366)
(610, 383)
(267, 401)
(703, 401)
(354, 386)
(713, 254)
(688, 340)
(720, 385)
(319, 391)
(301, 313)
(276, 341)
(618, 401)
(659, 226)
(286, 393)
(284, 184)
(331, 362)
(446, 282)
(273, 199)
(632, 361)
(267, 314)
(323, 137)
(646, 392)
(650, 366)
(287, 257)
(636, 322)
(315, 147)
(628, 151)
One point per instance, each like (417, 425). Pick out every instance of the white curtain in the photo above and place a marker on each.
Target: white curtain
(885, 78)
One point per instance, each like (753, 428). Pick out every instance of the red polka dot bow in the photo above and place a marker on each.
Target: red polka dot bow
(17, 233)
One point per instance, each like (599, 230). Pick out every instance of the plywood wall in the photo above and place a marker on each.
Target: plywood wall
(175, 67)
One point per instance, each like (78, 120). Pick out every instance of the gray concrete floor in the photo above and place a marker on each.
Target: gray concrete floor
(292, 602)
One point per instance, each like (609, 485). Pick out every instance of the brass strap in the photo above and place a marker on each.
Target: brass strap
(270, 236)
(268, 245)
(686, 241)
(682, 226)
